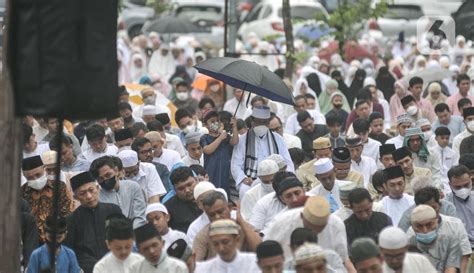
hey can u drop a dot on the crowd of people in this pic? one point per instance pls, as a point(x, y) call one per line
point(370, 170)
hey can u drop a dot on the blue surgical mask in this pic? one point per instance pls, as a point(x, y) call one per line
point(427, 238)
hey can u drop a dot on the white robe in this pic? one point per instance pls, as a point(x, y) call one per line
point(265, 210)
point(394, 207)
point(251, 198)
point(397, 141)
point(162, 65)
point(165, 265)
point(109, 263)
point(413, 262)
point(242, 263)
point(367, 167)
point(168, 158)
point(90, 155)
point(371, 149)
point(172, 236)
point(292, 125)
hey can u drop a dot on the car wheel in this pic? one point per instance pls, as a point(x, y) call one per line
point(134, 31)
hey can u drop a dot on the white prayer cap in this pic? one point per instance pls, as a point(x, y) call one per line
point(393, 238)
point(444, 61)
point(422, 213)
point(261, 112)
point(323, 165)
point(192, 137)
point(202, 187)
point(129, 158)
point(279, 160)
point(221, 190)
point(460, 38)
point(156, 207)
point(149, 110)
point(369, 81)
point(454, 68)
point(49, 157)
point(267, 167)
point(423, 121)
point(309, 252)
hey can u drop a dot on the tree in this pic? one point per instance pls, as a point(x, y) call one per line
point(288, 28)
point(350, 18)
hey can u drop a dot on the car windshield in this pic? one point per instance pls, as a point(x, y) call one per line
point(303, 12)
point(409, 12)
point(196, 13)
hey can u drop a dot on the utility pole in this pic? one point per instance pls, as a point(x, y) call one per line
point(233, 23)
point(290, 48)
point(10, 137)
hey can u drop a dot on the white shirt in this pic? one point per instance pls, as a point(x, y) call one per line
point(40, 149)
point(251, 198)
point(242, 263)
point(188, 161)
point(394, 207)
point(367, 167)
point(333, 236)
point(265, 210)
point(196, 226)
point(165, 265)
point(413, 262)
point(371, 149)
point(459, 138)
point(448, 159)
point(292, 141)
point(231, 105)
point(397, 141)
point(138, 111)
point(172, 236)
point(174, 143)
point(90, 155)
point(292, 125)
point(149, 180)
point(109, 263)
point(168, 158)
point(323, 192)
point(262, 152)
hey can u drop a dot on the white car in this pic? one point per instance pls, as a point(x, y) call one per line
point(265, 18)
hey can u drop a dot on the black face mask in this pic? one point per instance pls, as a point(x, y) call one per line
point(108, 184)
point(337, 106)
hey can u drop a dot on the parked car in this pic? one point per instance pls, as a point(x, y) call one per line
point(463, 18)
point(134, 15)
point(399, 17)
point(265, 18)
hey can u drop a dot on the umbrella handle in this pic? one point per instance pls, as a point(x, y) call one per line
point(240, 100)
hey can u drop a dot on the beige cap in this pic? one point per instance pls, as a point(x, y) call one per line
point(316, 210)
point(321, 143)
point(147, 91)
point(309, 252)
point(49, 157)
point(422, 213)
point(153, 136)
point(223, 227)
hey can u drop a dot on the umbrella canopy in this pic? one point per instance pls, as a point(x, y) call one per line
point(170, 24)
point(429, 75)
point(313, 31)
point(248, 76)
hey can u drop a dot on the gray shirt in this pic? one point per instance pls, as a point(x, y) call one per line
point(446, 208)
point(455, 126)
point(444, 252)
point(80, 165)
point(465, 212)
point(130, 198)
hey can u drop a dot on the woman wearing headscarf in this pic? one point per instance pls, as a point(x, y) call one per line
point(342, 86)
point(384, 82)
point(181, 72)
point(396, 107)
point(356, 85)
point(192, 72)
point(302, 88)
point(325, 97)
point(316, 80)
point(435, 96)
point(162, 62)
point(138, 67)
point(419, 64)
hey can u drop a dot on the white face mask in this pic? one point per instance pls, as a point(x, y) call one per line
point(412, 110)
point(150, 100)
point(463, 193)
point(215, 88)
point(189, 128)
point(427, 135)
point(267, 188)
point(38, 184)
point(260, 130)
point(182, 96)
point(52, 177)
point(470, 125)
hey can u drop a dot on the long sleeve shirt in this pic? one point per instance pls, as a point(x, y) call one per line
point(66, 261)
point(86, 233)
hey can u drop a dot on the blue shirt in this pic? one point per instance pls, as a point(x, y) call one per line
point(66, 261)
point(455, 126)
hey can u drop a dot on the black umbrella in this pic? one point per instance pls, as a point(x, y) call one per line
point(170, 24)
point(248, 76)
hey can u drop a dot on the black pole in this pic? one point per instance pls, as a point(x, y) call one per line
point(240, 100)
point(226, 24)
point(55, 208)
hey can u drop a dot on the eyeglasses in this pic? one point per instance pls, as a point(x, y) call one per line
point(148, 151)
